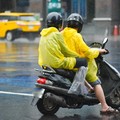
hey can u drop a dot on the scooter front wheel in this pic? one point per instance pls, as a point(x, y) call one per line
point(47, 107)
point(114, 99)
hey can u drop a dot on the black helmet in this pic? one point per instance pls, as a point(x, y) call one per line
point(75, 21)
point(54, 19)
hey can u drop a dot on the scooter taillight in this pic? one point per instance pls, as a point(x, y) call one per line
point(41, 80)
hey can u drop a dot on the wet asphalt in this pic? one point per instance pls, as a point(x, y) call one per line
point(17, 77)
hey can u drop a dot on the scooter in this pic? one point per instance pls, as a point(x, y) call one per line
point(51, 87)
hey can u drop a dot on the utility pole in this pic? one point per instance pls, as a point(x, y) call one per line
point(44, 12)
point(14, 5)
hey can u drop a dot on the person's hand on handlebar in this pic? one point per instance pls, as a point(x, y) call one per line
point(103, 51)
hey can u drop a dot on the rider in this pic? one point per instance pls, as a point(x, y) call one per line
point(75, 42)
point(52, 49)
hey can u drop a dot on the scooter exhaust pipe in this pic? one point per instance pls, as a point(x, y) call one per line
point(57, 99)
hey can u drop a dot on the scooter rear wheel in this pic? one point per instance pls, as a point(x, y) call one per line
point(114, 99)
point(47, 107)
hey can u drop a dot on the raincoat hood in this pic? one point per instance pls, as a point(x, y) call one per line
point(69, 32)
point(49, 30)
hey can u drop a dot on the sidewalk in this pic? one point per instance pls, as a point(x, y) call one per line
point(91, 29)
point(91, 33)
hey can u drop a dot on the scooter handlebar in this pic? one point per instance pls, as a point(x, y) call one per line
point(104, 53)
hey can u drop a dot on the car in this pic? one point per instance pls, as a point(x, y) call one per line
point(15, 24)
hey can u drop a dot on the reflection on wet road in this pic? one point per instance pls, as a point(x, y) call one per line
point(17, 63)
point(79, 117)
point(17, 75)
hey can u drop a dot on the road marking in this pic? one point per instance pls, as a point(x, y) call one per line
point(13, 93)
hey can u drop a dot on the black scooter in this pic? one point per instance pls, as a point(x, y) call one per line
point(51, 91)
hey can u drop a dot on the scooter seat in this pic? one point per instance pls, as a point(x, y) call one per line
point(65, 73)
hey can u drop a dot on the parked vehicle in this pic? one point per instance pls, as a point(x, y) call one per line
point(14, 24)
point(52, 89)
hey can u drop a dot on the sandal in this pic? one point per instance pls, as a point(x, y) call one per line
point(109, 111)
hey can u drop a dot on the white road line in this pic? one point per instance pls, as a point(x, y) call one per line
point(13, 93)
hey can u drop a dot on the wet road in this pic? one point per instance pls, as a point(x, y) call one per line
point(17, 77)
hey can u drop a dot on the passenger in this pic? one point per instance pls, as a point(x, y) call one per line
point(75, 42)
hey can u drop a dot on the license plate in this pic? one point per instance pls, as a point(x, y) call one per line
point(39, 92)
point(31, 26)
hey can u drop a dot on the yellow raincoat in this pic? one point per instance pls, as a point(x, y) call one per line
point(76, 43)
point(53, 51)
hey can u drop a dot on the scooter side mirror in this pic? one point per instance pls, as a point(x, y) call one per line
point(104, 42)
